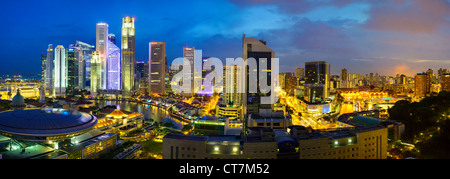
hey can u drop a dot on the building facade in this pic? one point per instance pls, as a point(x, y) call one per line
point(96, 67)
point(60, 81)
point(49, 71)
point(87, 56)
point(102, 48)
point(113, 67)
point(258, 50)
point(445, 82)
point(317, 79)
point(157, 67)
point(422, 85)
point(127, 56)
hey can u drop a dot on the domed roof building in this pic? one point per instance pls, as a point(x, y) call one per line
point(18, 101)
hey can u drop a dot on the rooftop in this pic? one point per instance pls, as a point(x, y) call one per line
point(41, 122)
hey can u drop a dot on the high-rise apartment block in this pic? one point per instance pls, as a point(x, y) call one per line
point(422, 85)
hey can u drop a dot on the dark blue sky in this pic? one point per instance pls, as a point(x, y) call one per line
point(386, 37)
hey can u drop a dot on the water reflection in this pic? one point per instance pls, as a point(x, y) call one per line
point(150, 112)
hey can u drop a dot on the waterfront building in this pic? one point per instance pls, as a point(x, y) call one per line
point(157, 67)
point(60, 80)
point(127, 56)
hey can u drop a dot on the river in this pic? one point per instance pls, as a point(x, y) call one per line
point(150, 112)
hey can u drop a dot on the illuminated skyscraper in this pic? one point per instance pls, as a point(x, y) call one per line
point(102, 48)
point(87, 56)
point(43, 67)
point(157, 67)
point(60, 81)
point(74, 61)
point(445, 82)
point(422, 84)
point(49, 71)
point(317, 81)
point(96, 63)
point(113, 67)
point(127, 56)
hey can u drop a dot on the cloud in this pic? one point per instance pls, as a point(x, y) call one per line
point(412, 16)
point(362, 60)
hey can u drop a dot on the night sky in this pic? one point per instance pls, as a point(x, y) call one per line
point(382, 36)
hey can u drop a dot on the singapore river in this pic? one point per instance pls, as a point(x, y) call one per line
point(150, 112)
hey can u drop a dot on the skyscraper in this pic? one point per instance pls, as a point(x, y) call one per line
point(257, 49)
point(189, 54)
point(112, 38)
point(317, 79)
point(231, 83)
point(102, 48)
point(87, 56)
point(60, 81)
point(74, 55)
point(49, 71)
point(422, 84)
point(113, 67)
point(157, 67)
point(81, 71)
point(43, 68)
point(127, 56)
point(445, 82)
point(96, 64)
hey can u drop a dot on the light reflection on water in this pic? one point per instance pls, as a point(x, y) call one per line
point(150, 112)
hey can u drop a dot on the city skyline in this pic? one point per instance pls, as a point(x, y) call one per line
point(356, 35)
